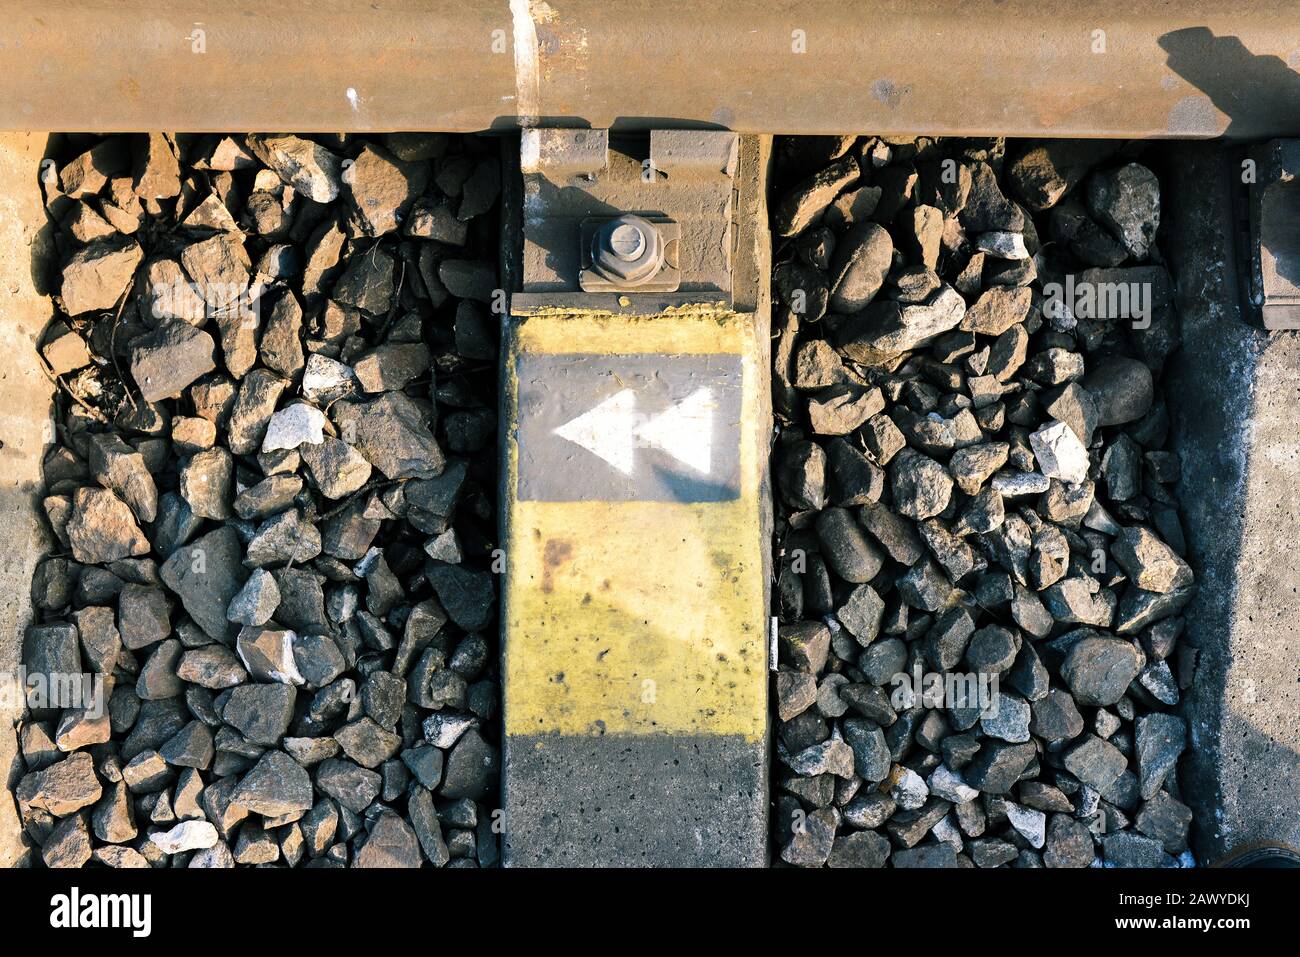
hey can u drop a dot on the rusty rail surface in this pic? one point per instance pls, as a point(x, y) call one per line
point(1185, 68)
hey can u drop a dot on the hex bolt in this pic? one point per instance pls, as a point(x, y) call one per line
point(627, 241)
point(628, 250)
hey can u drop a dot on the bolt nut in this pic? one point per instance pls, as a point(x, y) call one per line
point(628, 250)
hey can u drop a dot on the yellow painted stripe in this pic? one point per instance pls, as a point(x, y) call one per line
point(637, 617)
point(696, 331)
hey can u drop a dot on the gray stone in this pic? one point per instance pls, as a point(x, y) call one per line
point(992, 650)
point(351, 786)
point(337, 468)
point(276, 786)
point(52, 651)
point(62, 788)
point(859, 849)
point(871, 758)
point(284, 538)
point(1048, 169)
point(158, 678)
point(186, 836)
point(391, 843)
point(206, 574)
point(840, 409)
point(296, 424)
point(102, 528)
point(167, 360)
point(887, 329)
point(269, 496)
point(897, 535)
point(1055, 717)
point(144, 616)
point(1029, 823)
point(121, 469)
point(996, 767)
point(312, 170)
point(381, 188)
point(101, 642)
point(997, 310)
point(97, 274)
point(1126, 849)
point(1121, 388)
point(1161, 739)
point(926, 856)
point(804, 204)
point(468, 595)
point(68, 843)
point(1127, 202)
point(908, 789)
point(281, 342)
point(252, 410)
point(261, 712)
point(1166, 820)
point(1095, 762)
point(206, 483)
point(1149, 563)
point(1006, 718)
point(862, 257)
point(309, 751)
point(366, 743)
point(472, 767)
point(113, 819)
point(811, 844)
point(950, 786)
point(268, 654)
point(1099, 670)
point(921, 486)
point(444, 729)
point(211, 666)
point(391, 431)
point(318, 659)
point(256, 601)
point(846, 547)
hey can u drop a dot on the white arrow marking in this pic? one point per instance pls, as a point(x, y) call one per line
point(606, 430)
point(684, 431)
point(612, 431)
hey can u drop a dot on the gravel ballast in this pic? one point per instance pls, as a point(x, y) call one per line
point(272, 499)
point(979, 560)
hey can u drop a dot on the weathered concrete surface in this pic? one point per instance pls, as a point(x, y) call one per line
point(636, 800)
point(24, 431)
point(1234, 392)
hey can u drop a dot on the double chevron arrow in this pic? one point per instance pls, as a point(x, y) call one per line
point(614, 430)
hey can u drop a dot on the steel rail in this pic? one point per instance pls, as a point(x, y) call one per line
point(1182, 68)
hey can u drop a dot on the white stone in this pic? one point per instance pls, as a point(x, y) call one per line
point(1013, 484)
point(367, 562)
point(1060, 454)
point(1031, 824)
point(945, 832)
point(1003, 245)
point(951, 786)
point(325, 379)
point(186, 836)
point(292, 426)
point(444, 730)
point(908, 789)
